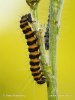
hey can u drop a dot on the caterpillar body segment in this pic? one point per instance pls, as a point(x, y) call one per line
point(33, 48)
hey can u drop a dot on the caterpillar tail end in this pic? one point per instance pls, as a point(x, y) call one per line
point(41, 81)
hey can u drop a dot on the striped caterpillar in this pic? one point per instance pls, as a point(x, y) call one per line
point(47, 32)
point(33, 48)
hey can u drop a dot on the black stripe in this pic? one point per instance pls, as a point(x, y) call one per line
point(34, 56)
point(36, 74)
point(34, 63)
point(33, 49)
point(26, 30)
point(34, 69)
point(37, 78)
point(32, 42)
point(25, 24)
point(21, 21)
point(29, 36)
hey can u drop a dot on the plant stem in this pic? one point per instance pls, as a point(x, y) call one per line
point(50, 71)
point(44, 66)
point(55, 12)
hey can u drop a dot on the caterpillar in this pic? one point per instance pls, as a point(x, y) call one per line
point(33, 48)
point(47, 33)
point(47, 39)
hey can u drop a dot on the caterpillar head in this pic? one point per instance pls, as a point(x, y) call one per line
point(29, 18)
point(23, 18)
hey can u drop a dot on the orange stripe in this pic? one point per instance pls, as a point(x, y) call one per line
point(34, 67)
point(23, 23)
point(38, 76)
point(29, 33)
point(34, 53)
point(33, 46)
point(31, 39)
point(34, 60)
point(25, 27)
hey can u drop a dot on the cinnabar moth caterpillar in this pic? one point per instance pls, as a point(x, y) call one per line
point(47, 34)
point(33, 48)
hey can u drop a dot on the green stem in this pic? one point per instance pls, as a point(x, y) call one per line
point(50, 71)
point(55, 12)
point(44, 64)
